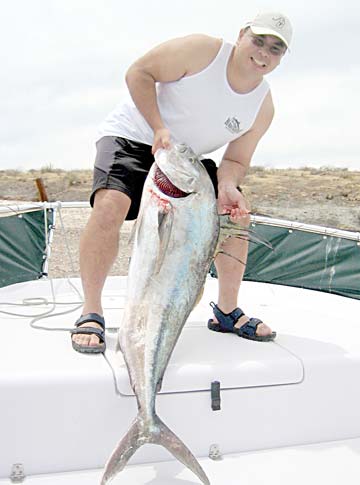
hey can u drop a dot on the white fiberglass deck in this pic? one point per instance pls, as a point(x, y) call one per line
point(330, 463)
point(60, 412)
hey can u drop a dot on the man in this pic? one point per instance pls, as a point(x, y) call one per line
point(206, 93)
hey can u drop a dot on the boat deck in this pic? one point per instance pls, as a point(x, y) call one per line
point(327, 463)
point(290, 409)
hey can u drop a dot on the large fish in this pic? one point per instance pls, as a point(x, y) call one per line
point(175, 239)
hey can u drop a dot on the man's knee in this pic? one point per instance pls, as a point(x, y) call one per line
point(110, 207)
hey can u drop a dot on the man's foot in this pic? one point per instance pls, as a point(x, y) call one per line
point(87, 340)
point(262, 330)
point(88, 334)
point(239, 323)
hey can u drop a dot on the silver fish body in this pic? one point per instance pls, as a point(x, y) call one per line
point(175, 239)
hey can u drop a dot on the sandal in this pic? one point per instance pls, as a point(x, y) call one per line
point(227, 323)
point(99, 332)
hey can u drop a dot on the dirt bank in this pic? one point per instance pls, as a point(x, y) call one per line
point(328, 197)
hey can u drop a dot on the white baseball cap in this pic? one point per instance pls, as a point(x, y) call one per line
point(272, 23)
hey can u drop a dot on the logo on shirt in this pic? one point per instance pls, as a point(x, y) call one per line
point(233, 125)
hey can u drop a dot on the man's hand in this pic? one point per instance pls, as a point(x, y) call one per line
point(231, 201)
point(161, 139)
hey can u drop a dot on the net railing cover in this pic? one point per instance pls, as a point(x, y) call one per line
point(23, 246)
point(304, 259)
point(303, 256)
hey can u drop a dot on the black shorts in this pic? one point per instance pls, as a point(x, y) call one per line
point(123, 165)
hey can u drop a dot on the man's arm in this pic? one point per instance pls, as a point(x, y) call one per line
point(167, 62)
point(236, 161)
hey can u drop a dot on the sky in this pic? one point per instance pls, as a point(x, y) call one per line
point(63, 64)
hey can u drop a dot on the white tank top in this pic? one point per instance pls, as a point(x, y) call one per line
point(201, 110)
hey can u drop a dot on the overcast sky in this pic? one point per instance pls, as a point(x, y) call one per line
point(63, 64)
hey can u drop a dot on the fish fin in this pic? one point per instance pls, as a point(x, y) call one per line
point(123, 452)
point(161, 435)
point(159, 384)
point(178, 449)
point(132, 233)
point(165, 222)
point(137, 226)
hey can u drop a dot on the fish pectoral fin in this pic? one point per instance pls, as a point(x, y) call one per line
point(137, 225)
point(133, 230)
point(165, 223)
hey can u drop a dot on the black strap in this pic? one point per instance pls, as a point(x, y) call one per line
point(250, 327)
point(91, 317)
point(87, 331)
point(226, 320)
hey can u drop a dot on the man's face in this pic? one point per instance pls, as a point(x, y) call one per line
point(262, 52)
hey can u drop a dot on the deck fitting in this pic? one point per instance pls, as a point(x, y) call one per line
point(17, 473)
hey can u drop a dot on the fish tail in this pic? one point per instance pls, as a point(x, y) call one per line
point(123, 452)
point(178, 449)
point(158, 433)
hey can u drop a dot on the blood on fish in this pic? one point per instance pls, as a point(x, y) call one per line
point(163, 203)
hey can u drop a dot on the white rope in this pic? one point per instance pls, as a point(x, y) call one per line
point(44, 301)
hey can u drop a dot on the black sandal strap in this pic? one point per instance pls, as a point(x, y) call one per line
point(91, 317)
point(250, 327)
point(226, 320)
point(89, 331)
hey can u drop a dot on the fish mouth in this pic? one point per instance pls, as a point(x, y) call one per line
point(165, 186)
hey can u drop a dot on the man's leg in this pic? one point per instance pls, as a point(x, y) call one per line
point(230, 275)
point(98, 249)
